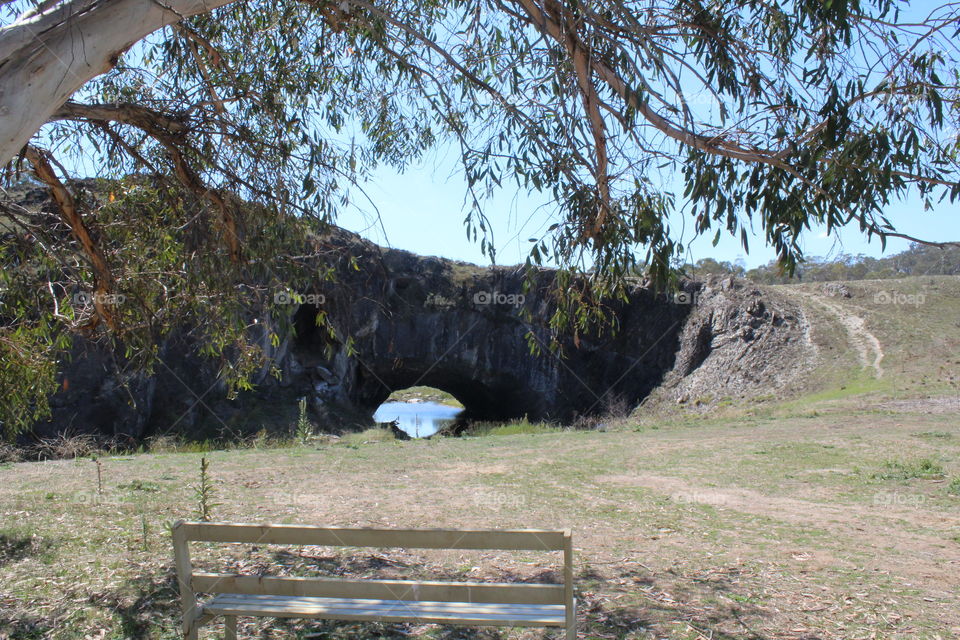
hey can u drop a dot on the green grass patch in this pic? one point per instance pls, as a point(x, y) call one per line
point(140, 485)
point(933, 435)
point(367, 437)
point(424, 394)
point(859, 382)
point(954, 487)
point(519, 427)
point(909, 469)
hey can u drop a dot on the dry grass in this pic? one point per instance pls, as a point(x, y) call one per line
point(781, 528)
point(833, 515)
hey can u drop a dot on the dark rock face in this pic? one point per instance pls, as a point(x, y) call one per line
point(395, 320)
point(99, 396)
point(453, 326)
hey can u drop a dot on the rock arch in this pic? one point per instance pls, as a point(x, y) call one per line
point(413, 320)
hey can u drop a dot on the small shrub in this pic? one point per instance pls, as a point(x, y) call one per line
point(144, 532)
point(163, 444)
point(260, 440)
point(204, 492)
point(9, 453)
point(304, 430)
point(523, 426)
point(68, 447)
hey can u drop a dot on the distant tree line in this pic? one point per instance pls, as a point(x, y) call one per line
point(918, 260)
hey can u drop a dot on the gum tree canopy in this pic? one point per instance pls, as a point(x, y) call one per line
point(775, 114)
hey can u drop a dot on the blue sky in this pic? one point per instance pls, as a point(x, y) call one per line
point(422, 210)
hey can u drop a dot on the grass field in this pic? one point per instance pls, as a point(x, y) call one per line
point(831, 514)
point(838, 526)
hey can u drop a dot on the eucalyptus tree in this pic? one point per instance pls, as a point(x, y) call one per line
point(233, 129)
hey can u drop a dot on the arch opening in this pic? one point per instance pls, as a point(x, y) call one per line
point(500, 399)
point(420, 411)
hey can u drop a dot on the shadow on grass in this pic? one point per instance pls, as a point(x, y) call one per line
point(634, 602)
point(147, 608)
point(18, 545)
point(18, 625)
point(16, 621)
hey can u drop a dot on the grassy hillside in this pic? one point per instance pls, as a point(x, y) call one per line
point(892, 338)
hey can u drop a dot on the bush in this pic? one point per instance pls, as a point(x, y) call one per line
point(9, 453)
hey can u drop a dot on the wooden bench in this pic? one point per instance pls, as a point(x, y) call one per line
point(467, 603)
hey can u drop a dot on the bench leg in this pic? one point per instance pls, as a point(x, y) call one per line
point(190, 628)
point(230, 627)
point(572, 622)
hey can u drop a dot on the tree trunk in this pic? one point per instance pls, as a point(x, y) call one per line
point(46, 58)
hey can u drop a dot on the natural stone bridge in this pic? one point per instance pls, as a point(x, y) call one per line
point(401, 320)
point(460, 328)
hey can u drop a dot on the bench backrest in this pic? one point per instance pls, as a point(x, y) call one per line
point(523, 593)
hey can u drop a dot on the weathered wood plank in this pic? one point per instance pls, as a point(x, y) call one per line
point(380, 589)
point(441, 613)
point(188, 599)
point(571, 605)
point(525, 540)
point(366, 603)
point(230, 628)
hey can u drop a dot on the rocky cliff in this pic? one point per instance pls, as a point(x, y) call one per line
point(389, 319)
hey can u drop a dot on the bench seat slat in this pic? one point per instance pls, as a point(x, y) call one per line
point(379, 589)
point(387, 610)
point(235, 598)
point(516, 540)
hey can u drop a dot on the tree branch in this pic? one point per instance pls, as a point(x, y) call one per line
point(103, 283)
point(171, 132)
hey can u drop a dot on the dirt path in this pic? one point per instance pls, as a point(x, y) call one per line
point(869, 349)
